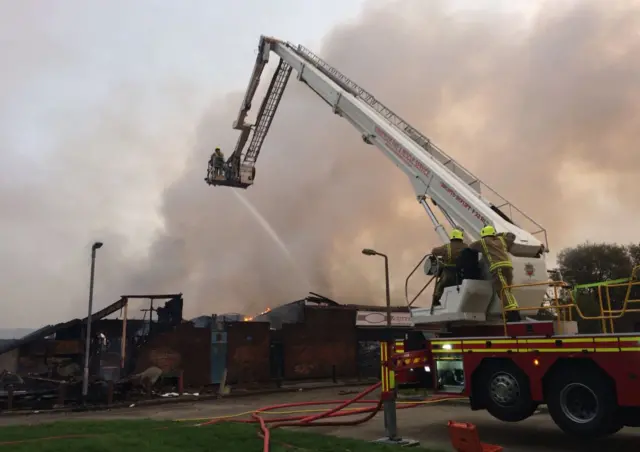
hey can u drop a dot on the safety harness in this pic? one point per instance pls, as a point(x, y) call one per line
point(449, 263)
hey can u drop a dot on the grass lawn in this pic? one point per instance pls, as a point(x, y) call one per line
point(146, 435)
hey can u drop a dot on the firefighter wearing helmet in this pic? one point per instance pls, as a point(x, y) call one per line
point(448, 254)
point(495, 249)
point(218, 162)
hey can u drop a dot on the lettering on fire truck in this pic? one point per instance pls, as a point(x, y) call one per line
point(464, 203)
point(402, 152)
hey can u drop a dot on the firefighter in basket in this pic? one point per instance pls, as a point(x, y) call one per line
point(217, 163)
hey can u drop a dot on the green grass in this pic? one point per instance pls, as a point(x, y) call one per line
point(147, 435)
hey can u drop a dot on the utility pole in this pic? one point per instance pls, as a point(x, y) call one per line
point(87, 339)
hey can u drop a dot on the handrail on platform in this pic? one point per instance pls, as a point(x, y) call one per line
point(565, 310)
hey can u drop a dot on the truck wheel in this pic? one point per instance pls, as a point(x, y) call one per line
point(505, 389)
point(583, 403)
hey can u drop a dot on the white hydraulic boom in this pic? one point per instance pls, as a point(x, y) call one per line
point(433, 174)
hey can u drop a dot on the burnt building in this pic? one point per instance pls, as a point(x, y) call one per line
point(317, 337)
point(293, 312)
point(58, 350)
point(312, 338)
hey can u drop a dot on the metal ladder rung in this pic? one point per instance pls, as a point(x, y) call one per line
point(432, 150)
point(410, 131)
point(268, 110)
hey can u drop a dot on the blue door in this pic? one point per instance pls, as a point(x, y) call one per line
point(218, 355)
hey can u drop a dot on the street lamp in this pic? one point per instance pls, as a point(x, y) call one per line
point(87, 341)
point(389, 402)
point(370, 252)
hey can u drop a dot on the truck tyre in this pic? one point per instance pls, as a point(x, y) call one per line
point(505, 390)
point(582, 402)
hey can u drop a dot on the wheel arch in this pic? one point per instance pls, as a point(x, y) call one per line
point(562, 365)
point(606, 418)
point(477, 397)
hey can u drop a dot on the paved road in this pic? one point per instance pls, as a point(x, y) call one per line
point(426, 424)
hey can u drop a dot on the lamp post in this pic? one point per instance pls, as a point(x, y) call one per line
point(370, 252)
point(389, 403)
point(87, 341)
point(390, 399)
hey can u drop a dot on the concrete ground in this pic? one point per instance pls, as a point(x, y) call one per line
point(428, 424)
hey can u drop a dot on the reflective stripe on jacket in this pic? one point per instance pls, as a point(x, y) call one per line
point(496, 250)
point(449, 252)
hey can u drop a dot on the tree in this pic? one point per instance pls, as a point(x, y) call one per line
point(634, 254)
point(594, 262)
point(597, 262)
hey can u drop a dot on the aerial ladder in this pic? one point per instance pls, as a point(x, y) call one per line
point(588, 382)
point(439, 182)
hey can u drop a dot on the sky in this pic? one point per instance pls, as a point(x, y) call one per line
point(109, 111)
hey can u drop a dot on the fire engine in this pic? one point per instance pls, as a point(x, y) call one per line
point(590, 383)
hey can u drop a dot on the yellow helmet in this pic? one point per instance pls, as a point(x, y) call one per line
point(456, 234)
point(487, 231)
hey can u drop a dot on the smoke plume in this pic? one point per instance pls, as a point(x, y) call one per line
point(547, 111)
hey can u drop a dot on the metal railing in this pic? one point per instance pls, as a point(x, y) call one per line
point(406, 283)
point(565, 307)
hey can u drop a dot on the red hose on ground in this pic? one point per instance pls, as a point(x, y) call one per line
point(266, 435)
point(295, 418)
point(343, 405)
point(308, 421)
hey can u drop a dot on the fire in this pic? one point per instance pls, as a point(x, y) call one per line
point(249, 319)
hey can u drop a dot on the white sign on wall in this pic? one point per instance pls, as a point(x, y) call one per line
point(377, 318)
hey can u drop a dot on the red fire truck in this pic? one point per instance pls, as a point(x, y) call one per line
point(590, 383)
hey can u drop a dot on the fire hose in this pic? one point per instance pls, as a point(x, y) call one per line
point(266, 425)
point(269, 424)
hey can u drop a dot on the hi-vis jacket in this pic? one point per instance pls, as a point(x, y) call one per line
point(449, 252)
point(495, 249)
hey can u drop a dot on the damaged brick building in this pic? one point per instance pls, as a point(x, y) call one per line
point(58, 350)
point(312, 338)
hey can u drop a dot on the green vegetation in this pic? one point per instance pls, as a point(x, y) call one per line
point(586, 266)
point(147, 435)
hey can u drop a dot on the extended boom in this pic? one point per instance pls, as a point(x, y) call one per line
point(588, 382)
point(434, 175)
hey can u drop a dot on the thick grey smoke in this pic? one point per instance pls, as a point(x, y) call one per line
point(547, 112)
point(522, 107)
